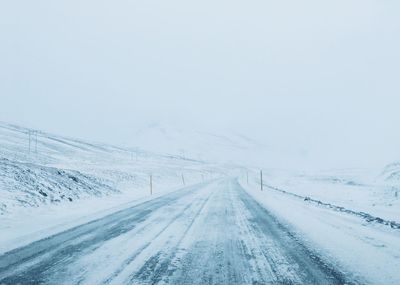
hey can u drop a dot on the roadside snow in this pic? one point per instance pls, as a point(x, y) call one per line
point(357, 190)
point(17, 230)
point(371, 252)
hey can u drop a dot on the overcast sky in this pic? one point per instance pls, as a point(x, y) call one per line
point(320, 76)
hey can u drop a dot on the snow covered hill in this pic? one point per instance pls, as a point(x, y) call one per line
point(391, 173)
point(38, 168)
point(224, 146)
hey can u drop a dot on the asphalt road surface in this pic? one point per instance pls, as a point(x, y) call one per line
point(213, 233)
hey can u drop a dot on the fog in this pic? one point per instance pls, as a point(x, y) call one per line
point(317, 77)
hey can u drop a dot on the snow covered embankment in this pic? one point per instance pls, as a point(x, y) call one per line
point(31, 185)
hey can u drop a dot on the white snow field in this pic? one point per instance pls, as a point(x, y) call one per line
point(355, 225)
point(74, 212)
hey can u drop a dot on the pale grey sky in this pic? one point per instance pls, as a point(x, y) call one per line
point(323, 76)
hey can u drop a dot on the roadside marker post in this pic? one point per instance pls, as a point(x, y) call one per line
point(29, 136)
point(36, 136)
point(151, 184)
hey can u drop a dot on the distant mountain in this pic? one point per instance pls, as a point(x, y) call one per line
point(200, 145)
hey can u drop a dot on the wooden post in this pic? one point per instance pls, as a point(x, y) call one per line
point(261, 178)
point(151, 184)
point(29, 136)
point(36, 142)
point(183, 180)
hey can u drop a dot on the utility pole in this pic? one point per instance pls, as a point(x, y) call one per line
point(151, 184)
point(261, 180)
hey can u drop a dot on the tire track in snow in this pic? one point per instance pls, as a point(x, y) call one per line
point(32, 263)
point(239, 242)
point(212, 234)
point(156, 267)
point(145, 271)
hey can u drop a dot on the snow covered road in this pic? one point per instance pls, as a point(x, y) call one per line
point(214, 233)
